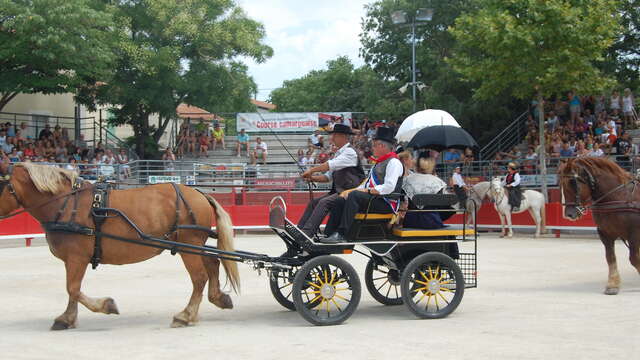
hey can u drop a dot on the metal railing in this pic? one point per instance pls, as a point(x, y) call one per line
point(511, 136)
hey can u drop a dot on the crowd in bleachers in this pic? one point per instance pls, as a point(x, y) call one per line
point(54, 146)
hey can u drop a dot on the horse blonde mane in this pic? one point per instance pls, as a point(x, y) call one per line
point(47, 178)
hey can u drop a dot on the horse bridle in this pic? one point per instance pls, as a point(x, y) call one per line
point(591, 182)
point(5, 181)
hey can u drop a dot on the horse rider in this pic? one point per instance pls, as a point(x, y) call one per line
point(343, 170)
point(384, 178)
point(512, 183)
point(460, 188)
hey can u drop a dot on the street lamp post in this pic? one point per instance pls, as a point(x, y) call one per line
point(421, 16)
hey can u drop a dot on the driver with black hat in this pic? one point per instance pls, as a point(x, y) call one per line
point(344, 170)
point(385, 177)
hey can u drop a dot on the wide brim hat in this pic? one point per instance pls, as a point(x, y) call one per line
point(385, 134)
point(341, 129)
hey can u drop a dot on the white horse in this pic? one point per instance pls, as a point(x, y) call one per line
point(531, 200)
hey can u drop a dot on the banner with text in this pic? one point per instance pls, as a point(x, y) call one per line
point(288, 122)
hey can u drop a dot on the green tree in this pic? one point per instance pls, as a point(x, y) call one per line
point(622, 59)
point(53, 46)
point(342, 87)
point(534, 48)
point(178, 51)
point(387, 49)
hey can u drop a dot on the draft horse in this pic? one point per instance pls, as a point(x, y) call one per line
point(612, 195)
point(46, 193)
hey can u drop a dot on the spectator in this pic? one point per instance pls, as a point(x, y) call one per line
point(123, 161)
point(259, 151)
point(565, 151)
point(243, 142)
point(552, 121)
point(192, 144)
point(7, 146)
point(203, 145)
point(169, 161)
point(217, 136)
point(202, 128)
point(316, 139)
point(574, 107)
point(628, 108)
point(614, 102)
point(451, 156)
point(45, 133)
point(72, 165)
point(308, 158)
point(623, 149)
point(597, 151)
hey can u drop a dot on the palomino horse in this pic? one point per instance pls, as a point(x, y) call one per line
point(42, 191)
point(531, 200)
point(615, 202)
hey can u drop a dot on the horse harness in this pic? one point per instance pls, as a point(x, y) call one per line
point(100, 212)
point(598, 206)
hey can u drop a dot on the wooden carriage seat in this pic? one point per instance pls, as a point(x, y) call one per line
point(451, 230)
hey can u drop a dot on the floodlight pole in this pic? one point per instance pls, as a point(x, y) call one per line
point(413, 61)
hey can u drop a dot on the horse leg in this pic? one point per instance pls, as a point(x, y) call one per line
point(535, 214)
point(613, 282)
point(199, 278)
point(634, 253)
point(502, 229)
point(509, 229)
point(216, 296)
point(75, 274)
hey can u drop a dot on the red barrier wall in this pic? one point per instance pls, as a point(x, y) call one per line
point(251, 209)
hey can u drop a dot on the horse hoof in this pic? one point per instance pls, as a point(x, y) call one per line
point(179, 323)
point(110, 307)
point(60, 325)
point(223, 302)
point(611, 291)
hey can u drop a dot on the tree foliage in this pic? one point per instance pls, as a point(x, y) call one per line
point(178, 51)
point(525, 47)
point(342, 87)
point(53, 46)
point(387, 49)
point(622, 59)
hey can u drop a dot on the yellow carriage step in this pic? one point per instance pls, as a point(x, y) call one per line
point(372, 216)
point(448, 231)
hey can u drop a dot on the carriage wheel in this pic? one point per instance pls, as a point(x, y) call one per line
point(383, 283)
point(326, 290)
point(281, 284)
point(432, 285)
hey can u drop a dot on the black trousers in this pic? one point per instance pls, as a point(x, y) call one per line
point(461, 193)
point(358, 201)
point(315, 212)
point(515, 196)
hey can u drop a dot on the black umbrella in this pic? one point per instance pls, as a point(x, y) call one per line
point(442, 137)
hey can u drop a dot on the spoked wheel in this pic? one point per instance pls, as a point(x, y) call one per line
point(326, 290)
point(383, 283)
point(432, 285)
point(281, 284)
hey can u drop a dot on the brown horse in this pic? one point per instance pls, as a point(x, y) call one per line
point(611, 194)
point(41, 190)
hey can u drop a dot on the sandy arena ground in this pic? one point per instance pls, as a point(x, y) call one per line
point(537, 299)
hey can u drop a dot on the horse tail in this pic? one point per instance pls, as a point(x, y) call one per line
point(224, 228)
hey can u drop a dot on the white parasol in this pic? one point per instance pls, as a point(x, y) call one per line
point(422, 119)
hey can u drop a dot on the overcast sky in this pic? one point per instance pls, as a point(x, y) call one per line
point(303, 35)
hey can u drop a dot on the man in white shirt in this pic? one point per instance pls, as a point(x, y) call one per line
point(459, 186)
point(316, 139)
point(343, 170)
point(259, 151)
point(384, 179)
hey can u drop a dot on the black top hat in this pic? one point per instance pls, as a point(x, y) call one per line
point(385, 134)
point(341, 129)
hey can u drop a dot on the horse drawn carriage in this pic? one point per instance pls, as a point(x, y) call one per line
point(93, 224)
point(424, 269)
